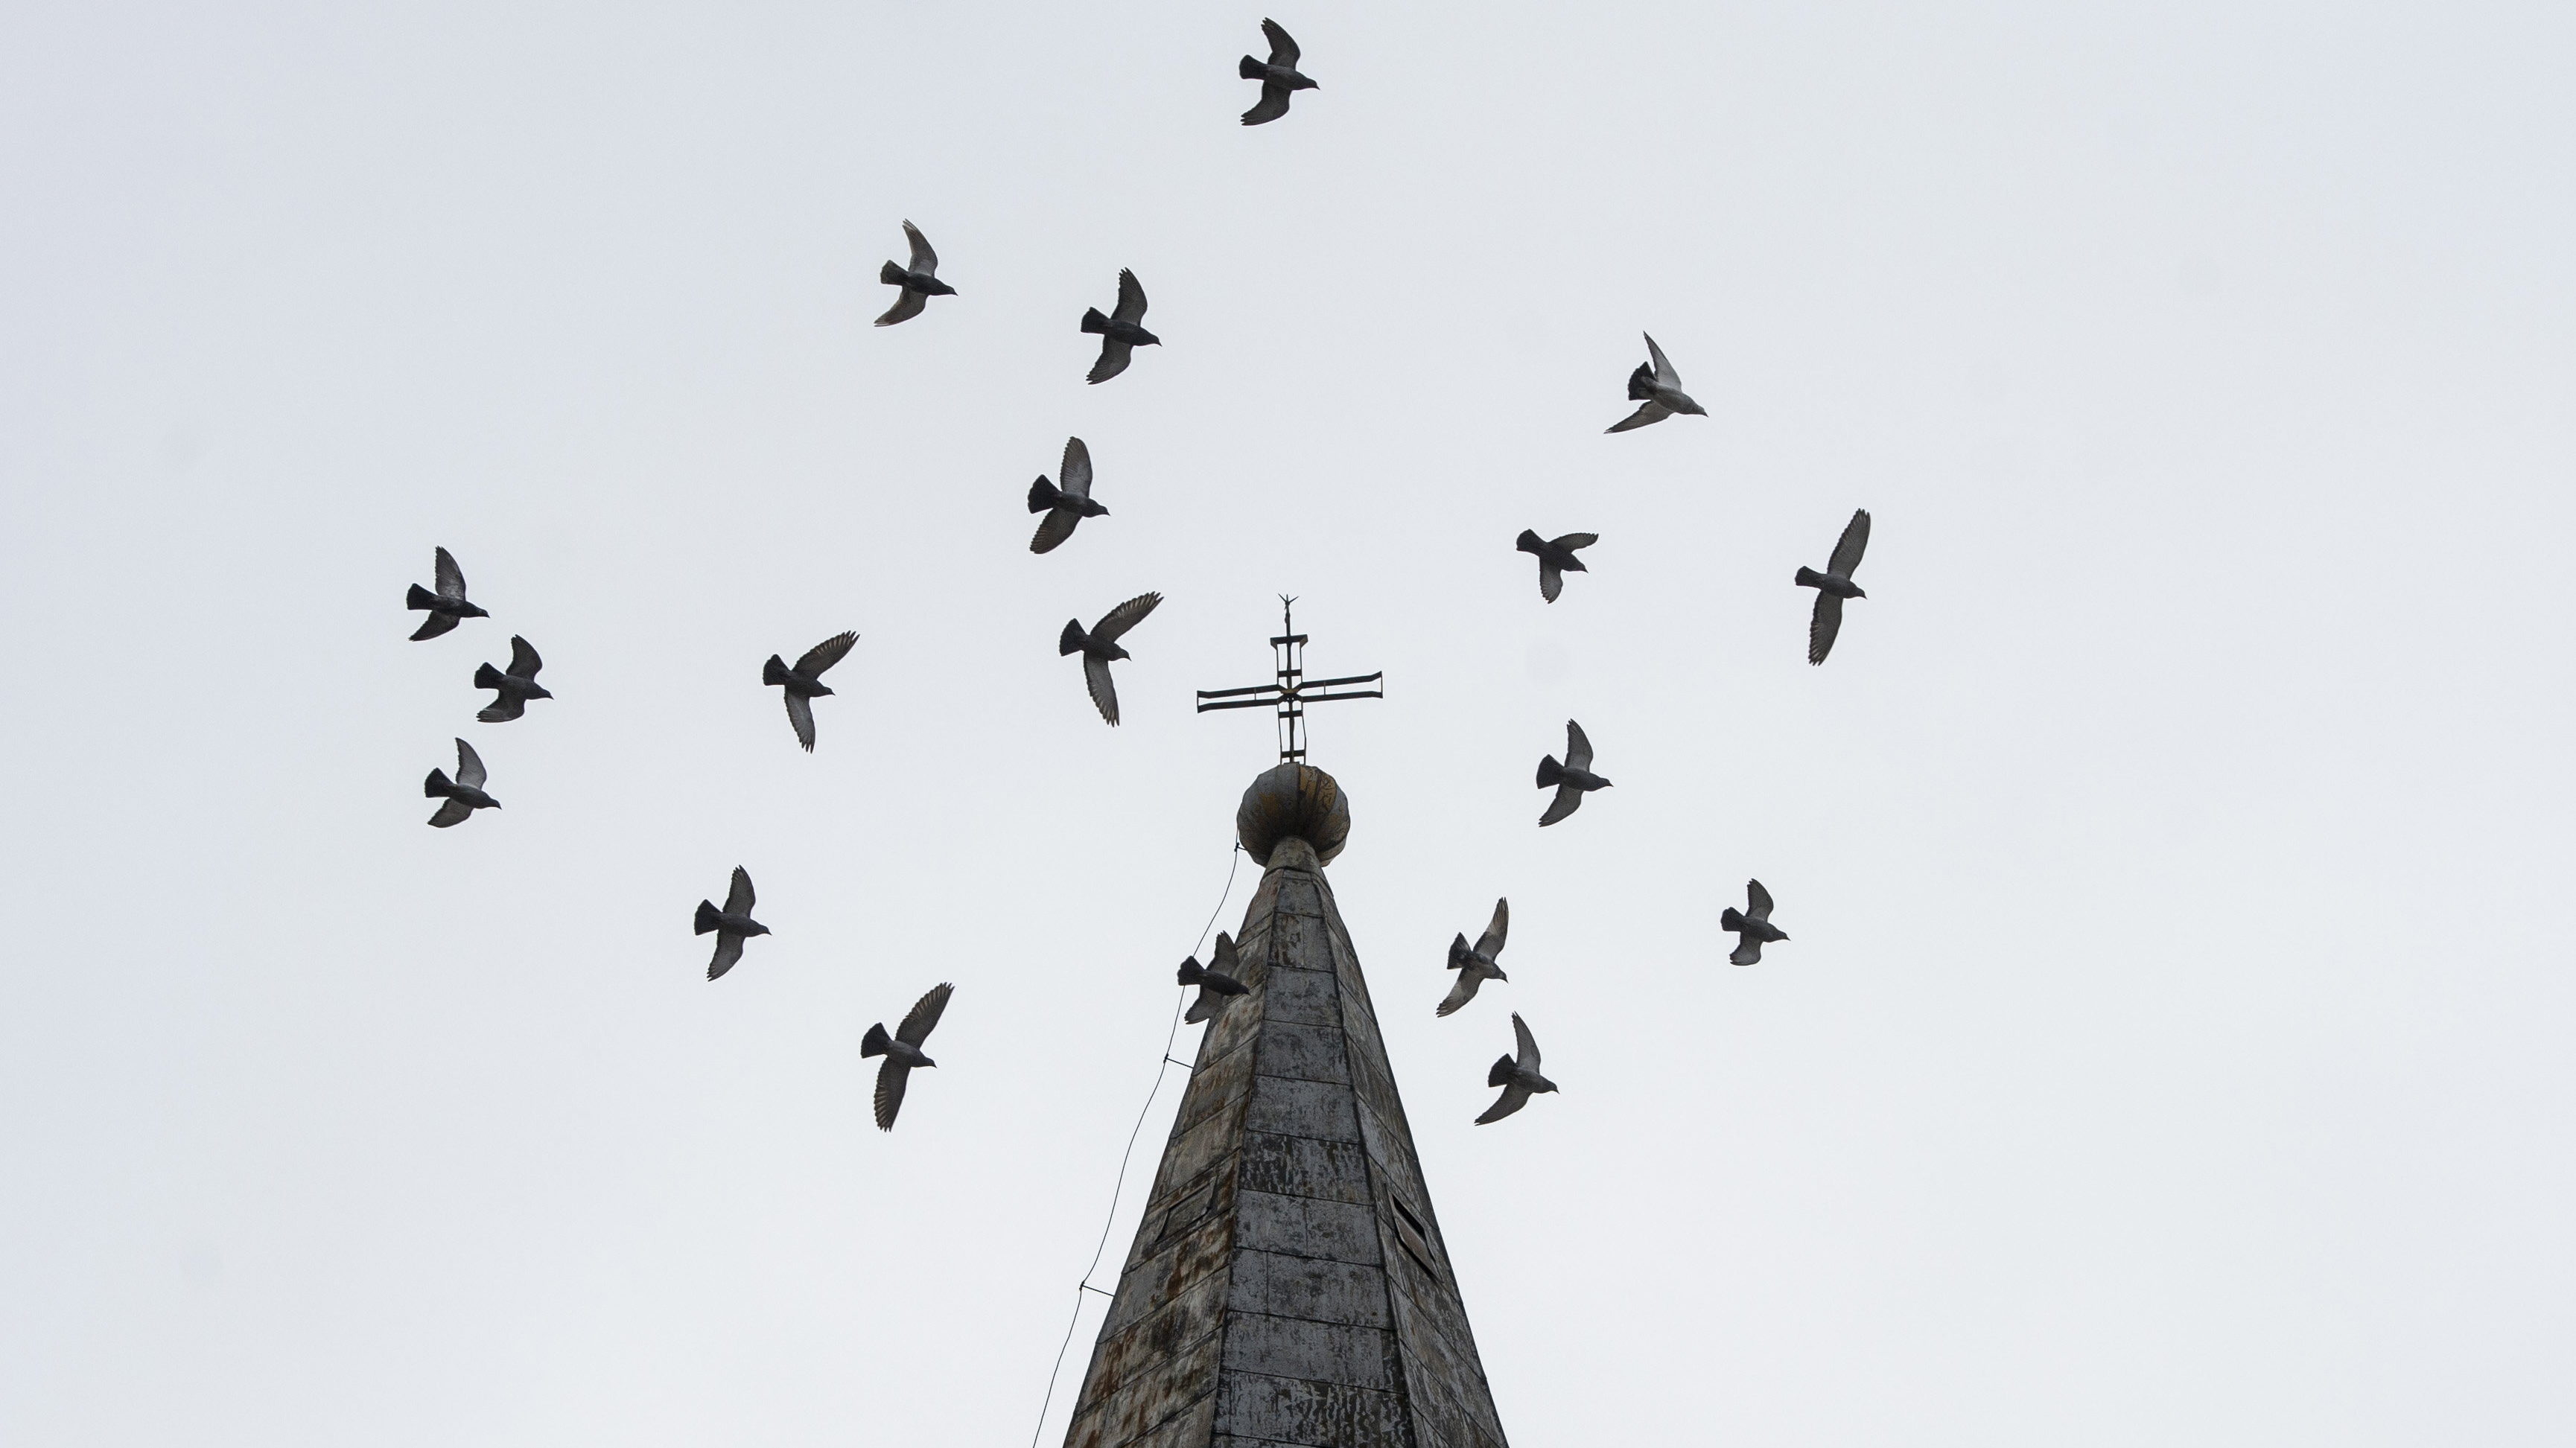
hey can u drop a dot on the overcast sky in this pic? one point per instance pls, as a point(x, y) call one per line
point(2172, 1045)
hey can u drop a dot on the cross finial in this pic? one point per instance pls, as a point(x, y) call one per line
point(1291, 691)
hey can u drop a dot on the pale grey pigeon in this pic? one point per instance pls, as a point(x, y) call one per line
point(1572, 779)
point(1657, 390)
point(445, 606)
point(1217, 982)
point(732, 925)
point(1555, 558)
point(1278, 76)
point(1834, 585)
point(804, 683)
point(902, 1050)
point(465, 794)
point(516, 687)
point(1475, 963)
point(1518, 1076)
point(1752, 925)
point(1120, 332)
point(1064, 504)
point(920, 281)
point(1100, 646)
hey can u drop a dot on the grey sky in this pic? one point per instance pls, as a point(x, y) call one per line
point(2172, 1042)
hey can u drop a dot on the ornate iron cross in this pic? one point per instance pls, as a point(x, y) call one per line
point(1292, 691)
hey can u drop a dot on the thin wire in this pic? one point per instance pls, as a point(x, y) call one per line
point(1129, 1156)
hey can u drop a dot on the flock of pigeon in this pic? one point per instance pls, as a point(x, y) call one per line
point(1655, 387)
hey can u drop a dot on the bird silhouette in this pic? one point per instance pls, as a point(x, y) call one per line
point(732, 925)
point(1752, 925)
point(1573, 779)
point(1100, 646)
point(516, 687)
point(1120, 332)
point(1555, 558)
point(447, 605)
point(804, 683)
point(1064, 505)
point(902, 1050)
point(1278, 76)
point(464, 795)
point(1517, 1075)
point(1218, 982)
point(1834, 585)
point(920, 281)
point(1475, 963)
point(1657, 390)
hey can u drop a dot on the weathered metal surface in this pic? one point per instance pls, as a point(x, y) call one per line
point(1294, 801)
point(1288, 1287)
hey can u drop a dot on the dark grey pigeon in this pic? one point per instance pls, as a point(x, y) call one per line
point(1518, 1076)
point(1278, 76)
point(732, 925)
point(902, 1051)
point(516, 687)
point(1752, 924)
point(448, 604)
point(920, 281)
point(1120, 334)
point(1217, 983)
point(1100, 645)
point(1066, 505)
point(465, 794)
point(1572, 779)
point(1475, 963)
point(1555, 558)
point(804, 683)
point(1657, 390)
point(1834, 585)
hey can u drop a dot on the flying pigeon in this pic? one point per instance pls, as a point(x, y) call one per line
point(732, 925)
point(465, 795)
point(1120, 334)
point(1573, 779)
point(1100, 645)
point(1217, 983)
point(1753, 926)
point(1518, 1078)
point(902, 1050)
point(516, 687)
point(1555, 558)
point(1475, 964)
point(1834, 585)
point(919, 281)
point(447, 605)
point(1278, 78)
point(1657, 390)
point(1067, 505)
point(804, 683)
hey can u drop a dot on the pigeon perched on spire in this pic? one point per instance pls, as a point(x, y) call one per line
point(516, 687)
point(732, 925)
point(1834, 585)
point(1657, 390)
point(1573, 779)
point(1555, 558)
point(1279, 76)
point(1518, 1076)
point(1100, 646)
point(1752, 925)
point(465, 794)
point(447, 605)
point(1218, 982)
point(1475, 963)
point(920, 281)
point(1120, 332)
point(1064, 505)
point(902, 1050)
point(804, 683)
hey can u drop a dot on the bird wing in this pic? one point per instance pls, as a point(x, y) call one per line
point(728, 951)
point(1075, 476)
point(1131, 299)
point(1647, 411)
point(469, 766)
point(924, 260)
point(907, 305)
point(1748, 950)
point(1224, 961)
point(1665, 376)
point(891, 1079)
point(1757, 901)
point(502, 710)
point(1272, 105)
point(1578, 747)
point(1114, 357)
point(1527, 1057)
point(1207, 1004)
point(1053, 529)
point(1851, 545)
point(1124, 617)
point(1551, 580)
point(1569, 797)
point(1461, 993)
point(827, 653)
point(451, 579)
point(1283, 51)
point(1572, 541)
point(454, 812)
point(1822, 628)
point(1514, 1097)
point(800, 714)
point(1490, 944)
point(739, 900)
point(1104, 691)
point(434, 625)
point(524, 662)
point(924, 1014)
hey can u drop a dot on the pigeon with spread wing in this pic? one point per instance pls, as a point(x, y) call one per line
point(1279, 76)
point(464, 794)
point(1121, 332)
point(1657, 390)
point(1065, 502)
point(1573, 779)
point(920, 280)
point(902, 1050)
point(1517, 1075)
point(1834, 585)
point(1475, 963)
point(446, 605)
point(804, 683)
point(1100, 646)
point(732, 925)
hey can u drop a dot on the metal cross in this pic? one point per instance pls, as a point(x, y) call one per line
point(1292, 691)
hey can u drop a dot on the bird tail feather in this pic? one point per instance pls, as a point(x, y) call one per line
point(891, 275)
point(420, 597)
point(435, 785)
point(1071, 640)
point(1529, 541)
point(1550, 772)
point(1501, 1073)
point(1092, 321)
point(1810, 578)
point(1730, 919)
point(487, 677)
point(1459, 954)
point(1641, 383)
point(1192, 972)
point(1044, 495)
point(707, 913)
point(1251, 69)
point(775, 671)
point(874, 1043)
